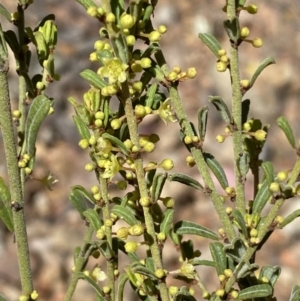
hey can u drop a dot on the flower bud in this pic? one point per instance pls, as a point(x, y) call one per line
point(260, 135)
point(167, 164)
point(191, 72)
point(127, 21)
point(136, 230)
point(110, 18)
point(131, 247)
point(173, 290)
point(146, 62)
point(130, 40)
point(220, 138)
point(274, 187)
point(154, 36)
point(122, 233)
point(145, 201)
point(92, 11)
point(252, 9)
point(84, 143)
point(116, 124)
point(257, 43)
point(244, 32)
point(100, 234)
point(162, 29)
point(221, 66)
point(222, 52)
point(34, 295)
point(17, 114)
point(282, 175)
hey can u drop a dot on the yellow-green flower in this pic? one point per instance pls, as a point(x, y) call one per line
point(104, 146)
point(114, 70)
point(97, 274)
point(188, 270)
point(165, 111)
point(111, 167)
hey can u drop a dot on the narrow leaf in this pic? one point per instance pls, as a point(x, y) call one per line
point(140, 269)
point(256, 291)
point(217, 169)
point(87, 3)
point(167, 222)
point(211, 42)
point(186, 180)
point(268, 61)
point(122, 279)
point(78, 200)
point(5, 13)
point(2, 298)
point(232, 28)
point(222, 107)
point(93, 284)
point(236, 250)
point(82, 128)
point(93, 218)
point(261, 198)
point(244, 163)
point(5, 208)
point(239, 219)
point(125, 214)
point(268, 171)
point(218, 256)
point(295, 294)
point(202, 122)
point(157, 186)
point(286, 128)
point(289, 218)
point(116, 142)
point(151, 94)
point(105, 249)
point(38, 111)
point(196, 261)
point(186, 227)
point(245, 110)
point(93, 78)
point(272, 273)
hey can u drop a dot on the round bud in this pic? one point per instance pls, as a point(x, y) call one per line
point(99, 45)
point(244, 32)
point(99, 115)
point(224, 59)
point(122, 185)
point(17, 114)
point(98, 123)
point(130, 40)
point(23, 298)
point(173, 290)
point(172, 76)
point(282, 175)
point(40, 86)
point(220, 292)
point(110, 18)
point(206, 295)
point(257, 43)
point(116, 123)
point(106, 289)
point(146, 62)
point(230, 190)
point(26, 157)
point(220, 138)
point(95, 189)
point(191, 72)
point(140, 111)
point(84, 143)
point(96, 254)
point(122, 233)
point(228, 210)
point(136, 67)
point(145, 201)
point(100, 234)
point(162, 29)
point(222, 52)
point(131, 247)
point(101, 11)
point(260, 135)
point(247, 126)
point(228, 273)
point(149, 147)
point(264, 279)
point(245, 83)
point(93, 57)
point(167, 164)
point(234, 294)
point(127, 21)
point(274, 187)
point(92, 11)
point(136, 230)
point(154, 36)
point(108, 223)
point(161, 236)
point(34, 295)
point(188, 140)
point(252, 9)
point(253, 233)
point(169, 202)
point(222, 277)
point(160, 273)
point(28, 171)
point(221, 66)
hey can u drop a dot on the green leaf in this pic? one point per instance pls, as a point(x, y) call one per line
point(287, 130)
point(50, 17)
point(82, 128)
point(120, 47)
point(150, 264)
point(222, 107)
point(150, 95)
point(38, 111)
point(157, 186)
point(217, 169)
point(94, 284)
point(268, 171)
point(5, 13)
point(186, 227)
point(125, 214)
point(140, 269)
point(202, 122)
point(218, 256)
point(245, 110)
point(114, 140)
point(93, 78)
point(12, 41)
point(87, 3)
point(78, 198)
point(239, 220)
point(289, 218)
point(245, 269)
point(2, 298)
point(232, 28)
point(261, 198)
point(236, 250)
point(256, 291)
point(295, 294)
point(196, 261)
point(122, 279)
point(117, 8)
point(272, 273)
point(5, 208)
point(268, 61)
point(105, 249)
point(244, 163)
point(211, 42)
point(186, 180)
point(167, 222)
point(93, 218)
